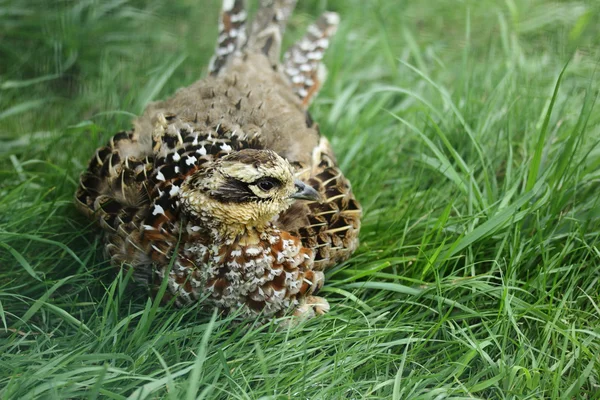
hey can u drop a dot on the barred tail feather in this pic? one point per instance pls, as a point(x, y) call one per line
point(302, 62)
point(232, 34)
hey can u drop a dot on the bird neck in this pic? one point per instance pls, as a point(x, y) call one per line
point(227, 232)
point(240, 232)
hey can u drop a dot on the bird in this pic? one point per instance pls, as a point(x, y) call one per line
point(228, 190)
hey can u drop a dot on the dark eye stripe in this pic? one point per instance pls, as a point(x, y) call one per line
point(234, 191)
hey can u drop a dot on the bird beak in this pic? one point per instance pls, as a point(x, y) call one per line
point(305, 192)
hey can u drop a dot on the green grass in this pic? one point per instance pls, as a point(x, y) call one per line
point(470, 132)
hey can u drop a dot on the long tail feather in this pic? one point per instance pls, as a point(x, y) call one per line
point(302, 62)
point(232, 34)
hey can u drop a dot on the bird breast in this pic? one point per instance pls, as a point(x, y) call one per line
point(259, 272)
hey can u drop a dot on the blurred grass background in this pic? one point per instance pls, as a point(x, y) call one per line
point(476, 161)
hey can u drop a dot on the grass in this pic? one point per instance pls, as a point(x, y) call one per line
point(470, 132)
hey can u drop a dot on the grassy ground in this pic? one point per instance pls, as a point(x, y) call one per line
point(473, 150)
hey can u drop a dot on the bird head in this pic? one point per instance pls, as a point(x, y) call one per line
point(243, 190)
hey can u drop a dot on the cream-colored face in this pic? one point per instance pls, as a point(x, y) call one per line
point(267, 177)
point(245, 189)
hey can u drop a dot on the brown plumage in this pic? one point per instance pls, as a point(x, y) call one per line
point(227, 188)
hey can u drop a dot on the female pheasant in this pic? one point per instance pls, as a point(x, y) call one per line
point(227, 189)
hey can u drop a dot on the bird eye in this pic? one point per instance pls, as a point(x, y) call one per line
point(265, 186)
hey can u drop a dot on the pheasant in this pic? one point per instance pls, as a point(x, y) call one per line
point(227, 189)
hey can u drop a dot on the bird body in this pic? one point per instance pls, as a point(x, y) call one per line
point(227, 189)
